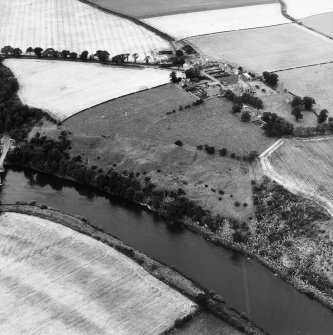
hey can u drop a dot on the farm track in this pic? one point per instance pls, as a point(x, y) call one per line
point(304, 167)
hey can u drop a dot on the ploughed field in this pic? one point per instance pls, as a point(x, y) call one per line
point(64, 88)
point(303, 8)
point(322, 23)
point(54, 280)
point(72, 25)
point(314, 81)
point(150, 8)
point(213, 21)
point(304, 167)
point(267, 49)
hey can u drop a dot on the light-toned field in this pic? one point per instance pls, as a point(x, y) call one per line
point(322, 23)
point(206, 324)
point(72, 25)
point(64, 88)
point(304, 167)
point(303, 8)
point(267, 49)
point(207, 22)
point(315, 81)
point(54, 280)
point(151, 8)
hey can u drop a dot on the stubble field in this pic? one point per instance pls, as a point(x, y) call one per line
point(64, 88)
point(56, 281)
point(208, 22)
point(267, 49)
point(72, 25)
point(322, 23)
point(141, 9)
point(304, 167)
point(315, 81)
point(303, 8)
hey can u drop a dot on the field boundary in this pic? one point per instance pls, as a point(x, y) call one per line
point(270, 172)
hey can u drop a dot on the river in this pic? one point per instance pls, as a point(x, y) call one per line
point(244, 284)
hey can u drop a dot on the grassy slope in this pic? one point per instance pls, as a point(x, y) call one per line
point(321, 23)
point(72, 284)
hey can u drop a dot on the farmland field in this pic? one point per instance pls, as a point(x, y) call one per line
point(322, 23)
point(72, 25)
point(303, 166)
point(81, 85)
point(315, 81)
point(150, 8)
point(267, 49)
point(192, 24)
point(54, 280)
point(303, 8)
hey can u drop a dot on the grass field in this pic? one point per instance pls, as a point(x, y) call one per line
point(143, 116)
point(315, 81)
point(322, 23)
point(205, 324)
point(72, 25)
point(304, 167)
point(65, 88)
point(56, 281)
point(198, 23)
point(150, 8)
point(303, 8)
point(267, 49)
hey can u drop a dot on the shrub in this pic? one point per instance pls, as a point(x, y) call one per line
point(223, 152)
point(200, 147)
point(236, 108)
point(179, 143)
point(233, 155)
point(237, 204)
point(210, 149)
point(246, 116)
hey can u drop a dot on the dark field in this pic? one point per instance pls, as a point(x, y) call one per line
point(142, 9)
point(143, 116)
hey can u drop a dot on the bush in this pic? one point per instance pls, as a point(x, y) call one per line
point(200, 147)
point(223, 152)
point(236, 108)
point(179, 143)
point(246, 116)
point(237, 204)
point(210, 150)
point(233, 155)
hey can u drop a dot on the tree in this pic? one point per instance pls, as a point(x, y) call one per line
point(135, 57)
point(297, 112)
point(55, 54)
point(29, 50)
point(297, 101)
point(84, 55)
point(1, 59)
point(276, 125)
point(308, 103)
point(173, 77)
point(73, 55)
point(48, 52)
point(237, 108)
point(246, 116)
point(271, 78)
point(38, 51)
point(7, 50)
point(179, 53)
point(103, 56)
point(147, 58)
point(323, 115)
point(17, 52)
point(127, 56)
point(64, 53)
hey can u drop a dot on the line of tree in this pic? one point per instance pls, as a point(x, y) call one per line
point(271, 79)
point(245, 98)
point(299, 104)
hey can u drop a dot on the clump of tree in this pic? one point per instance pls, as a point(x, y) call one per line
point(276, 126)
point(246, 98)
point(84, 55)
point(102, 55)
point(271, 79)
point(298, 105)
point(193, 73)
point(237, 108)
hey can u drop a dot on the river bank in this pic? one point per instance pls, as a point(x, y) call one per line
point(210, 301)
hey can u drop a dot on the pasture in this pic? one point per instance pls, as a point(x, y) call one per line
point(64, 88)
point(303, 167)
point(322, 23)
point(72, 25)
point(56, 281)
point(142, 9)
point(300, 9)
point(267, 49)
point(143, 116)
point(199, 23)
point(315, 81)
